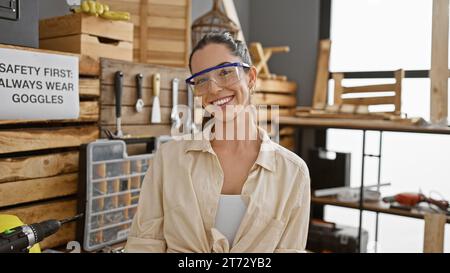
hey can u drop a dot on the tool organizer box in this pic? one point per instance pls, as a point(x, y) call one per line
point(109, 187)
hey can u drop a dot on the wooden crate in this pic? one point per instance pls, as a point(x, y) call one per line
point(87, 35)
point(287, 137)
point(276, 92)
point(162, 30)
point(138, 125)
point(39, 159)
point(280, 93)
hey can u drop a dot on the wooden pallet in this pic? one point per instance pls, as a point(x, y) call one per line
point(39, 159)
point(162, 30)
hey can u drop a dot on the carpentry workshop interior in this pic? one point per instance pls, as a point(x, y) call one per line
point(93, 93)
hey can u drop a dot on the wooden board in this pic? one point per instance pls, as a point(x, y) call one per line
point(322, 74)
point(276, 86)
point(369, 101)
point(369, 88)
point(109, 67)
point(129, 96)
point(131, 117)
point(439, 63)
point(160, 22)
point(22, 168)
point(266, 114)
point(328, 115)
point(165, 9)
point(287, 131)
point(36, 139)
point(81, 23)
point(383, 125)
point(161, 33)
point(138, 131)
point(160, 28)
point(23, 191)
point(288, 142)
point(371, 206)
point(89, 45)
point(89, 112)
point(136, 149)
point(274, 99)
point(433, 241)
point(89, 88)
point(49, 210)
point(88, 66)
point(139, 124)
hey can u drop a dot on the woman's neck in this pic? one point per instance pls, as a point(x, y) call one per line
point(240, 133)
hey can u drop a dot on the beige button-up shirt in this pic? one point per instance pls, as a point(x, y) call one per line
point(180, 194)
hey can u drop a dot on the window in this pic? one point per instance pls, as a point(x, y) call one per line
point(384, 35)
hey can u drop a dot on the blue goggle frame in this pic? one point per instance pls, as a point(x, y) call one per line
point(189, 80)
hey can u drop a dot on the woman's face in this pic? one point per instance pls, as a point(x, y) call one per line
point(223, 98)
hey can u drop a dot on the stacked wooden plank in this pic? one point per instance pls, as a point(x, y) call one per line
point(138, 124)
point(39, 160)
point(282, 94)
point(162, 29)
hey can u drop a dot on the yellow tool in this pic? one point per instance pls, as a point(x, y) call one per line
point(11, 221)
point(98, 9)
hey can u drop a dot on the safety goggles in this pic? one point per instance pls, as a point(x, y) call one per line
point(223, 75)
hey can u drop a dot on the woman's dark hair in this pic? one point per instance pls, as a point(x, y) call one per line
point(236, 47)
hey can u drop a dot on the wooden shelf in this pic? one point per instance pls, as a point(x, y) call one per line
point(376, 125)
point(88, 66)
point(371, 206)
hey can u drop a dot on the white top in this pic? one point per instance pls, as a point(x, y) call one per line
point(229, 215)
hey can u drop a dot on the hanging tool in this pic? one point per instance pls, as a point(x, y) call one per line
point(412, 199)
point(118, 85)
point(118, 81)
point(22, 238)
point(156, 109)
point(190, 117)
point(139, 102)
point(176, 122)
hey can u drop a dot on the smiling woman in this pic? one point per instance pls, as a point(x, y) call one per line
point(238, 194)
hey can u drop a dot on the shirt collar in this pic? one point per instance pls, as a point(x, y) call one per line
point(266, 157)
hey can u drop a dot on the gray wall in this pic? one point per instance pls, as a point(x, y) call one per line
point(200, 7)
point(52, 8)
point(294, 23)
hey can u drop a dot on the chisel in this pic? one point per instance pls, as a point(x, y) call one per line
point(139, 101)
point(156, 109)
point(174, 115)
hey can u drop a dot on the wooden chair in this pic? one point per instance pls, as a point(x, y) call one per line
point(260, 56)
point(364, 102)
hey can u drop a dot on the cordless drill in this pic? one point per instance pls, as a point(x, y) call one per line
point(22, 238)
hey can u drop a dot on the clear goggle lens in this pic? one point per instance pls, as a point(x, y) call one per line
point(222, 77)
